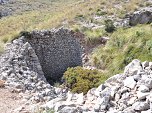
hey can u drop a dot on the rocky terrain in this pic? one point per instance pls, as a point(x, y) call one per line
point(32, 58)
point(34, 61)
point(129, 92)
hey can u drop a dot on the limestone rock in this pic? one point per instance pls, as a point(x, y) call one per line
point(148, 82)
point(137, 77)
point(51, 104)
point(143, 88)
point(141, 95)
point(147, 111)
point(130, 82)
point(103, 100)
point(133, 68)
point(140, 106)
point(70, 110)
point(114, 79)
point(142, 16)
point(132, 100)
point(145, 64)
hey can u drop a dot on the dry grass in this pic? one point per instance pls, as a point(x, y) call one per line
point(124, 46)
point(54, 13)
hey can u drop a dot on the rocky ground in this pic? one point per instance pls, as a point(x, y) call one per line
point(128, 92)
point(9, 101)
point(24, 89)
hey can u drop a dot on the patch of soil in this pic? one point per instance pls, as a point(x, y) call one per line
point(9, 101)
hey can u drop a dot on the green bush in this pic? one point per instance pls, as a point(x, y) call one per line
point(109, 26)
point(81, 80)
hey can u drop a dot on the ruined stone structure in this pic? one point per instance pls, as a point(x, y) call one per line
point(56, 50)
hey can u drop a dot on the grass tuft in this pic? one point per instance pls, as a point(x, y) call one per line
point(124, 46)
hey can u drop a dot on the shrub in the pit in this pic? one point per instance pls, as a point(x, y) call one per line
point(81, 80)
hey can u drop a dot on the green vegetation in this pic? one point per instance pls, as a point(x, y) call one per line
point(46, 14)
point(125, 45)
point(40, 110)
point(81, 80)
point(93, 36)
point(100, 12)
point(109, 26)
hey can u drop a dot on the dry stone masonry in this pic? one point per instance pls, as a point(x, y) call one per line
point(56, 50)
point(49, 53)
point(33, 57)
point(22, 70)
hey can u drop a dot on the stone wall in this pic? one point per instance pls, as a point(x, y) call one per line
point(22, 72)
point(56, 50)
point(37, 57)
point(19, 55)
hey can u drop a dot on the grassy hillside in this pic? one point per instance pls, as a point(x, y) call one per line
point(124, 46)
point(44, 14)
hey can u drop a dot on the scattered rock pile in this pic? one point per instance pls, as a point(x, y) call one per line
point(5, 12)
point(21, 70)
point(129, 92)
point(142, 16)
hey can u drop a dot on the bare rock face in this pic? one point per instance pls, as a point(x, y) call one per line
point(143, 16)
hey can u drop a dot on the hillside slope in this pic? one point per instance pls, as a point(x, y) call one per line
point(29, 65)
point(37, 14)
